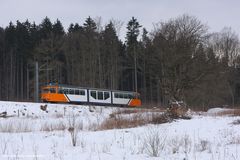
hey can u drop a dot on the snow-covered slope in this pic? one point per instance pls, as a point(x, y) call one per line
point(32, 133)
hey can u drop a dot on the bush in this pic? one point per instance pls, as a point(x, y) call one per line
point(154, 142)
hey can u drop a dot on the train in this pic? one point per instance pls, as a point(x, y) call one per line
point(61, 93)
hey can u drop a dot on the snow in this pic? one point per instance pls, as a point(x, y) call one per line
point(27, 136)
point(217, 110)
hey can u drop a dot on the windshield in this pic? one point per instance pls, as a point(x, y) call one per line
point(49, 90)
point(45, 90)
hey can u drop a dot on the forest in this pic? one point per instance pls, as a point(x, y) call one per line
point(179, 59)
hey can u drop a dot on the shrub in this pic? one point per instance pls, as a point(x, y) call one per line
point(154, 142)
point(74, 128)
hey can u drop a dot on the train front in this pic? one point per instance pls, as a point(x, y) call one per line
point(49, 93)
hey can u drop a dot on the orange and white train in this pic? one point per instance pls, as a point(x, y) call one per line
point(69, 94)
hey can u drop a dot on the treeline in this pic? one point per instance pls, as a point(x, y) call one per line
point(179, 60)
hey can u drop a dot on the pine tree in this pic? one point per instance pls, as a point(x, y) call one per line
point(74, 28)
point(45, 28)
point(110, 51)
point(132, 50)
point(91, 54)
point(58, 29)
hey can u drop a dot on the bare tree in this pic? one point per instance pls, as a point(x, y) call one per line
point(179, 45)
point(226, 45)
point(117, 25)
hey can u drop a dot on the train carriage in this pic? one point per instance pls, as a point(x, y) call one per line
point(69, 94)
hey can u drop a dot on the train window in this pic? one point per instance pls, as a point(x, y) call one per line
point(130, 96)
point(120, 95)
point(106, 95)
point(125, 96)
point(77, 92)
point(52, 90)
point(45, 90)
point(93, 94)
point(65, 91)
point(100, 95)
point(60, 90)
point(116, 95)
point(71, 91)
point(82, 92)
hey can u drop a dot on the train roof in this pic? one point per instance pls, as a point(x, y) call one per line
point(72, 86)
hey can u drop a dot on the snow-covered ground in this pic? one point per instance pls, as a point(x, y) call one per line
point(31, 133)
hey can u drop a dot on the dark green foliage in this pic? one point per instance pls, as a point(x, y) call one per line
point(110, 57)
point(74, 28)
point(58, 29)
point(45, 28)
point(131, 69)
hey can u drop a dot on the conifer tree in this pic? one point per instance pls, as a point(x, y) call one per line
point(133, 31)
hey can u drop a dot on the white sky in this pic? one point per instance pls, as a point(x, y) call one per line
point(215, 13)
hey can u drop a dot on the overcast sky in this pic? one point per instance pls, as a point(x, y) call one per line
point(215, 13)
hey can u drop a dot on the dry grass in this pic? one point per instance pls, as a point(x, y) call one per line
point(58, 115)
point(125, 111)
point(93, 127)
point(48, 127)
point(130, 118)
point(121, 122)
point(159, 119)
point(234, 140)
point(230, 112)
point(16, 126)
point(129, 111)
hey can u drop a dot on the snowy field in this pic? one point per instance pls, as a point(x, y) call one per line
point(29, 132)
